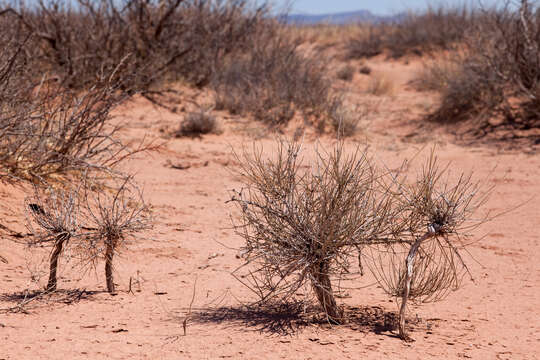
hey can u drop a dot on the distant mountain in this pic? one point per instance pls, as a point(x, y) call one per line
point(365, 16)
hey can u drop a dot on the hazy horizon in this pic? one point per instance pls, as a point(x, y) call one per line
point(378, 7)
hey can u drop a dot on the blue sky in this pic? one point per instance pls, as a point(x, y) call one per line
point(381, 7)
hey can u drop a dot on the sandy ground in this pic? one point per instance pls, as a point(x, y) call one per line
point(191, 252)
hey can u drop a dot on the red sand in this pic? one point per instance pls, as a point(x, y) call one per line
point(496, 317)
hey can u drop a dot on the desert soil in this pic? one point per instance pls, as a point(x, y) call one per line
point(192, 250)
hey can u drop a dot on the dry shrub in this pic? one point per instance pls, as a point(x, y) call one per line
point(366, 70)
point(273, 79)
point(368, 43)
point(60, 133)
point(158, 40)
point(90, 222)
point(54, 222)
point(437, 214)
point(467, 88)
point(304, 226)
point(46, 129)
point(498, 74)
point(115, 218)
point(435, 29)
point(196, 124)
point(346, 73)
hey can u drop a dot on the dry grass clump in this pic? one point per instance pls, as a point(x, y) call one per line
point(379, 84)
point(86, 224)
point(196, 124)
point(304, 224)
point(344, 120)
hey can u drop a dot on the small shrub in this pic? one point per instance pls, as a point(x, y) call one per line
point(196, 124)
point(56, 214)
point(346, 73)
point(424, 263)
point(89, 224)
point(366, 70)
point(114, 219)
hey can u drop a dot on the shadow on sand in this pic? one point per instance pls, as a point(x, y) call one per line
point(288, 319)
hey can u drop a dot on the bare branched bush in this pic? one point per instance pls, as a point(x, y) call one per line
point(114, 219)
point(158, 40)
point(436, 217)
point(303, 226)
point(90, 223)
point(53, 220)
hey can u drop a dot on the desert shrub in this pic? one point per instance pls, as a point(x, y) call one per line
point(367, 44)
point(497, 76)
point(114, 219)
point(436, 214)
point(54, 221)
point(58, 132)
point(467, 88)
point(366, 70)
point(273, 79)
point(435, 29)
point(90, 222)
point(158, 41)
point(346, 73)
point(196, 124)
point(304, 226)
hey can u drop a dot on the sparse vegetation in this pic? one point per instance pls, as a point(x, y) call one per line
point(307, 219)
point(438, 28)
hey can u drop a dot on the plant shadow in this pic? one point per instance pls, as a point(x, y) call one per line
point(290, 318)
point(26, 300)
